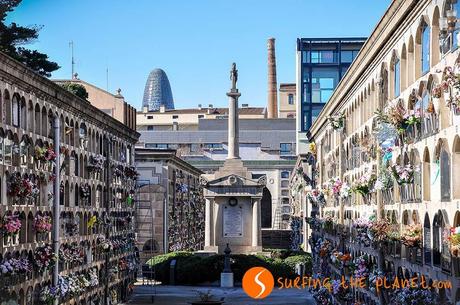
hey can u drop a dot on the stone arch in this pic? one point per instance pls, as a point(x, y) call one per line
point(16, 110)
point(44, 122)
point(23, 114)
point(426, 174)
point(440, 248)
point(37, 117)
point(403, 65)
point(395, 75)
point(383, 94)
point(434, 44)
point(266, 209)
point(7, 103)
point(422, 47)
point(456, 167)
point(30, 116)
point(442, 155)
point(410, 61)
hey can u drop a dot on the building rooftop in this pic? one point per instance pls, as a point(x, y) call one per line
point(268, 132)
point(217, 111)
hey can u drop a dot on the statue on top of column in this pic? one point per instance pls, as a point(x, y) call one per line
point(234, 75)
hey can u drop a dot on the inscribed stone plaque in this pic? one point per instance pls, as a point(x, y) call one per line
point(233, 221)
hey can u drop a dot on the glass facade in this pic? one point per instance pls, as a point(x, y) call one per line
point(157, 91)
point(323, 63)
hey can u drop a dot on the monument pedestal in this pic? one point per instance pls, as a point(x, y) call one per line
point(226, 280)
point(232, 195)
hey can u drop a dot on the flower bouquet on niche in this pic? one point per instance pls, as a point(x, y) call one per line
point(337, 121)
point(450, 85)
point(380, 231)
point(131, 173)
point(454, 240)
point(365, 184)
point(409, 295)
point(412, 117)
point(85, 191)
point(403, 174)
point(96, 163)
point(412, 236)
point(345, 190)
point(11, 224)
point(42, 223)
point(361, 268)
point(22, 188)
point(14, 266)
point(44, 258)
point(361, 226)
point(316, 196)
point(48, 294)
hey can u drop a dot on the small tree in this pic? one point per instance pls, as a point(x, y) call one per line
point(77, 89)
point(13, 36)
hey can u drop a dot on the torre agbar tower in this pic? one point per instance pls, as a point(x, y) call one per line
point(93, 230)
point(383, 169)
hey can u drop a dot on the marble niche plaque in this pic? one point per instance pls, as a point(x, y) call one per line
point(233, 221)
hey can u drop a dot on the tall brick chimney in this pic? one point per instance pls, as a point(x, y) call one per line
point(272, 103)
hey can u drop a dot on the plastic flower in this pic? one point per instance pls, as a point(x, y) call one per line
point(42, 223)
point(412, 236)
point(11, 224)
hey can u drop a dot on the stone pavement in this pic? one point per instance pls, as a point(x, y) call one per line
point(181, 295)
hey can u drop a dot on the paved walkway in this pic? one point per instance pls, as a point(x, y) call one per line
point(181, 295)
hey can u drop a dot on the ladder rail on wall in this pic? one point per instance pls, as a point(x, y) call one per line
point(148, 217)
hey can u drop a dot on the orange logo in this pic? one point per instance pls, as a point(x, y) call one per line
point(258, 282)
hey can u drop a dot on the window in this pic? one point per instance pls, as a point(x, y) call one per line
point(291, 99)
point(156, 145)
point(212, 146)
point(305, 120)
point(175, 116)
point(194, 147)
point(306, 93)
point(150, 127)
point(315, 112)
point(285, 148)
point(397, 77)
point(285, 174)
point(347, 56)
point(305, 57)
point(284, 183)
point(323, 57)
point(425, 48)
point(200, 116)
point(149, 117)
point(323, 84)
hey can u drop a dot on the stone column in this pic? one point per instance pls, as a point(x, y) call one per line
point(256, 223)
point(209, 234)
point(233, 128)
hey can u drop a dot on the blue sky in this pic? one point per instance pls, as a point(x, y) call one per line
point(195, 42)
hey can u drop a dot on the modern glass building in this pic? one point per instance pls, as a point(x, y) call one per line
point(321, 63)
point(157, 91)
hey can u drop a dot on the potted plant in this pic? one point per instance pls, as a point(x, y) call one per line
point(206, 299)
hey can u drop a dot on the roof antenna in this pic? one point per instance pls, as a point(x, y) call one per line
point(73, 61)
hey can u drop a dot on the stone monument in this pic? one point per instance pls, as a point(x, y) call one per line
point(233, 197)
point(226, 277)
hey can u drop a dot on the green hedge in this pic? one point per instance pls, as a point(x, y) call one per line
point(192, 269)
